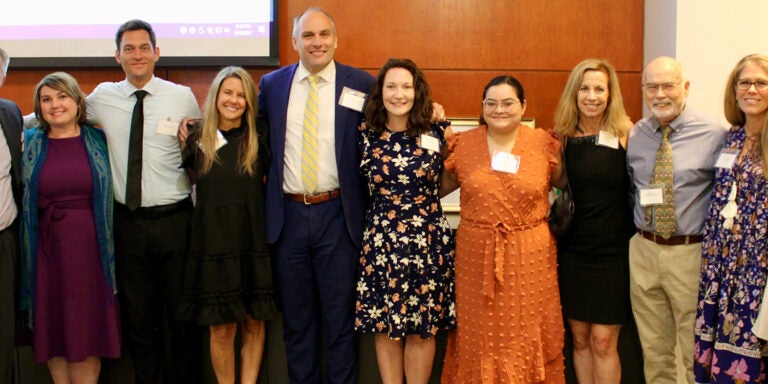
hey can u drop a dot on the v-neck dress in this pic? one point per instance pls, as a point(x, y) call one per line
point(509, 320)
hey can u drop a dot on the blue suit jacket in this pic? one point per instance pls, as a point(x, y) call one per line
point(11, 120)
point(274, 91)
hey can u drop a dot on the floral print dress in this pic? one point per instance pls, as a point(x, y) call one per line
point(406, 277)
point(734, 270)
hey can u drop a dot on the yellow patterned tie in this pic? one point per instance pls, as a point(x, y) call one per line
point(309, 142)
point(665, 222)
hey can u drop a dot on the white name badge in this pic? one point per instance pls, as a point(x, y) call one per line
point(352, 99)
point(429, 142)
point(607, 139)
point(505, 162)
point(651, 196)
point(726, 159)
point(167, 127)
point(220, 141)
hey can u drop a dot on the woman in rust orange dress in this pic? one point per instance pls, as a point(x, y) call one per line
point(510, 327)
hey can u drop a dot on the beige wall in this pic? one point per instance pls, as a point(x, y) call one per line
point(709, 37)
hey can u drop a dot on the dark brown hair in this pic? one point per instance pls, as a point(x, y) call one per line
point(421, 113)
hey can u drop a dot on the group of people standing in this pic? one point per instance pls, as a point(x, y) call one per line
point(681, 236)
point(317, 194)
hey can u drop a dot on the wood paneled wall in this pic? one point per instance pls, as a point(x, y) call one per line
point(460, 45)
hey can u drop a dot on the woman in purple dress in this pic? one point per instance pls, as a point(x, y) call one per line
point(67, 265)
point(734, 263)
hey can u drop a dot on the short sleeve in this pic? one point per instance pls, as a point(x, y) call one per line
point(553, 146)
point(451, 138)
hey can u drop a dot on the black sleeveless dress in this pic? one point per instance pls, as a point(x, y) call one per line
point(593, 260)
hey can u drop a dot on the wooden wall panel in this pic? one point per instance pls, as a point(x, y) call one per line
point(542, 91)
point(460, 44)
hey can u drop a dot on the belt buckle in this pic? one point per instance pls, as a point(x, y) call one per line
point(305, 199)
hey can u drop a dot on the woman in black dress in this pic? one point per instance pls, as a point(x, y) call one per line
point(593, 258)
point(228, 280)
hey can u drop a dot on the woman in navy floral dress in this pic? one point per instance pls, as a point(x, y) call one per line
point(734, 264)
point(405, 290)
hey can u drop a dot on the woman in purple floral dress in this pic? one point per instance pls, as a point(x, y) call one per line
point(734, 265)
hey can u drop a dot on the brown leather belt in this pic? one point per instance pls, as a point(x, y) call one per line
point(317, 198)
point(672, 240)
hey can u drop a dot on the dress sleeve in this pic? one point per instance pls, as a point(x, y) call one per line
point(553, 151)
point(364, 145)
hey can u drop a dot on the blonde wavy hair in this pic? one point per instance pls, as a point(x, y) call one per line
point(567, 113)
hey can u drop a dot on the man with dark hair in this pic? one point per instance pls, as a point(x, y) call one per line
point(153, 208)
point(10, 198)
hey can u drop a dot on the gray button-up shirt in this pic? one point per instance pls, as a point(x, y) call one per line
point(696, 140)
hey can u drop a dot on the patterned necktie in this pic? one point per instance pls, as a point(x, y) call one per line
point(309, 142)
point(135, 144)
point(665, 222)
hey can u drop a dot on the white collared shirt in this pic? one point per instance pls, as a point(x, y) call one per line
point(328, 178)
point(8, 210)
point(110, 105)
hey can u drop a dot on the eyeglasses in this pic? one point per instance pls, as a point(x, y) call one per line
point(654, 87)
point(506, 104)
point(760, 85)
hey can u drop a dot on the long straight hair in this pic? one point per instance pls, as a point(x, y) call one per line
point(249, 144)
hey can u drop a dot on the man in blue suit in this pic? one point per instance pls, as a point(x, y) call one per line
point(316, 230)
point(10, 200)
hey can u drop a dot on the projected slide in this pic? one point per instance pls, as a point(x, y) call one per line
point(239, 32)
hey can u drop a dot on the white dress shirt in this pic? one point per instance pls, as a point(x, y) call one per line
point(110, 105)
point(327, 174)
point(8, 209)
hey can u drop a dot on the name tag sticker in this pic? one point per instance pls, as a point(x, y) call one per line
point(652, 196)
point(726, 159)
point(505, 162)
point(352, 99)
point(607, 139)
point(167, 127)
point(220, 141)
point(429, 142)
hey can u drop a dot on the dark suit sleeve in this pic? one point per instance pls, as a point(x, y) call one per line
point(262, 115)
point(265, 153)
point(13, 123)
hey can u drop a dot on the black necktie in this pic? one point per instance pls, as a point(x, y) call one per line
point(133, 181)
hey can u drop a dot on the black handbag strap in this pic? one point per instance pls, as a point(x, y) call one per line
point(563, 143)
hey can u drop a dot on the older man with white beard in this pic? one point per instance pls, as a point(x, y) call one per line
point(671, 157)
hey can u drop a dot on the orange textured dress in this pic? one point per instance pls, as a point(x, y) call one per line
point(509, 321)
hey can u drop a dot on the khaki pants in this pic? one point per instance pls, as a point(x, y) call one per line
point(664, 286)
